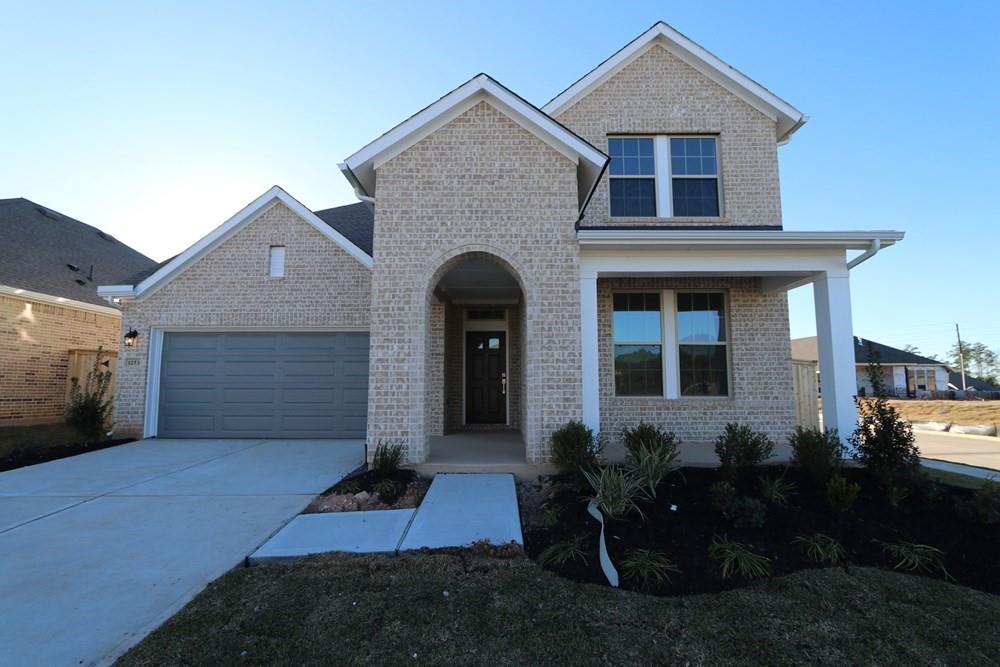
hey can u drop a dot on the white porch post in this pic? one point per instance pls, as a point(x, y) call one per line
point(588, 350)
point(835, 340)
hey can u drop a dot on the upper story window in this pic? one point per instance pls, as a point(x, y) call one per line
point(664, 177)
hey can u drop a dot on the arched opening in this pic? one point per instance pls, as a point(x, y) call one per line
point(476, 409)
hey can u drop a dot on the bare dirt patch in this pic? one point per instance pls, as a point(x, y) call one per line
point(955, 412)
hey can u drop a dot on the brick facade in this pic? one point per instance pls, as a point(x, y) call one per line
point(35, 339)
point(660, 94)
point(760, 366)
point(480, 186)
point(229, 288)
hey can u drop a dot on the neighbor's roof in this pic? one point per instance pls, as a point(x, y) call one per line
point(50, 253)
point(955, 380)
point(787, 118)
point(806, 349)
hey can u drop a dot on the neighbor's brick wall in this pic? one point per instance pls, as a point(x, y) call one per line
point(323, 287)
point(35, 339)
point(760, 366)
point(480, 184)
point(660, 94)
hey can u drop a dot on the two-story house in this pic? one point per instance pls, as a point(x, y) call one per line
point(615, 255)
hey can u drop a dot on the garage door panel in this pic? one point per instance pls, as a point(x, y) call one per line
point(264, 384)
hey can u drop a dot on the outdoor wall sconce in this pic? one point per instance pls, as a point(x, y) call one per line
point(130, 337)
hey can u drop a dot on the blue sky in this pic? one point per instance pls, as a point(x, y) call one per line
point(156, 121)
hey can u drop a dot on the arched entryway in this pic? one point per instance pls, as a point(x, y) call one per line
point(476, 352)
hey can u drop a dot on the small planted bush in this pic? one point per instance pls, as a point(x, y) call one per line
point(648, 436)
point(884, 441)
point(776, 490)
point(89, 406)
point(896, 494)
point(821, 549)
point(560, 553)
point(648, 569)
point(736, 559)
point(818, 453)
point(575, 449)
point(841, 494)
point(388, 490)
point(983, 507)
point(388, 456)
point(616, 491)
point(742, 511)
point(650, 465)
point(740, 449)
point(916, 557)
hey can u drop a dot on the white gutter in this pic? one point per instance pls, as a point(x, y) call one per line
point(656, 236)
point(40, 297)
point(867, 254)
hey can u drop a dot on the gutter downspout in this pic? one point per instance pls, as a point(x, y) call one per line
point(866, 255)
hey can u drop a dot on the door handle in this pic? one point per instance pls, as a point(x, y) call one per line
point(503, 384)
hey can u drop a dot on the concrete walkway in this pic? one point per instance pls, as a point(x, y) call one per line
point(99, 549)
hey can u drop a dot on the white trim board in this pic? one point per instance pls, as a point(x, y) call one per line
point(787, 118)
point(217, 236)
point(41, 297)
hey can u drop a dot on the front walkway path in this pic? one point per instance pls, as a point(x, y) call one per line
point(101, 548)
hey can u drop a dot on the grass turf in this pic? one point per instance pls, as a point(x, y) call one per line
point(477, 610)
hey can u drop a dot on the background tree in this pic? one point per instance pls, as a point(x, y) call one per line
point(980, 361)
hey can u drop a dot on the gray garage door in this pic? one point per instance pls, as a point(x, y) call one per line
point(263, 385)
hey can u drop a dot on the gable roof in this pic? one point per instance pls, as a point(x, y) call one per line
point(787, 117)
point(53, 254)
point(144, 285)
point(977, 384)
point(806, 349)
point(354, 221)
point(360, 168)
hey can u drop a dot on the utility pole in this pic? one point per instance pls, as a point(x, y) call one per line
point(961, 356)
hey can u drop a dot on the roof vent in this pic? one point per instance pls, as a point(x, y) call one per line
point(81, 282)
point(106, 237)
point(51, 215)
point(72, 267)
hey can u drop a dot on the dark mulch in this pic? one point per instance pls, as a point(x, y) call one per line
point(369, 480)
point(928, 516)
point(28, 445)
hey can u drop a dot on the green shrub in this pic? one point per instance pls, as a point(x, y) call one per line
point(387, 457)
point(349, 486)
point(648, 569)
point(388, 490)
point(742, 511)
point(575, 449)
point(896, 494)
point(650, 465)
point(89, 407)
point(615, 490)
point(648, 436)
point(916, 557)
point(740, 449)
point(841, 494)
point(883, 441)
point(821, 549)
point(735, 558)
point(776, 490)
point(818, 453)
point(560, 553)
point(984, 505)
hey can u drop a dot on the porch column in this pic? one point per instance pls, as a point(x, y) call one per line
point(588, 351)
point(835, 341)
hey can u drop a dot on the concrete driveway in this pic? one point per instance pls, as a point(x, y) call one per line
point(99, 549)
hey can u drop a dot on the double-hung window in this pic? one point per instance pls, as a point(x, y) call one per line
point(670, 343)
point(664, 176)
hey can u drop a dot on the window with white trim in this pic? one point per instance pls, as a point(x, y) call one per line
point(276, 261)
point(922, 379)
point(664, 176)
point(670, 343)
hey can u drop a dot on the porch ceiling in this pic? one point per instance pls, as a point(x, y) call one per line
point(480, 281)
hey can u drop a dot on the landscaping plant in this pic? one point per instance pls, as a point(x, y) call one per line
point(740, 449)
point(821, 549)
point(776, 490)
point(916, 557)
point(575, 449)
point(818, 453)
point(984, 505)
point(648, 569)
point(89, 407)
point(616, 491)
point(387, 457)
point(896, 494)
point(742, 511)
point(883, 441)
point(648, 436)
point(841, 494)
point(735, 558)
point(650, 465)
point(388, 490)
point(564, 552)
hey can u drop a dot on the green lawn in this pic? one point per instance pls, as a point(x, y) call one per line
point(955, 479)
point(465, 609)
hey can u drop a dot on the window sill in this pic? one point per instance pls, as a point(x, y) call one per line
point(676, 221)
point(679, 399)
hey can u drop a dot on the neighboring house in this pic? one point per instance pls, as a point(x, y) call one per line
point(971, 383)
point(615, 255)
point(50, 266)
point(904, 373)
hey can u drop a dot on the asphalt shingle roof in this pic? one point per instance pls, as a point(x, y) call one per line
point(355, 221)
point(39, 248)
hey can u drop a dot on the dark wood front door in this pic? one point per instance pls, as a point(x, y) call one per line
point(485, 377)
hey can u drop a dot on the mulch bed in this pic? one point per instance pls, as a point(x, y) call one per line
point(368, 490)
point(928, 516)
point(30, 456)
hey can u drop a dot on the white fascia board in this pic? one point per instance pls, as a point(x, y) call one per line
point(224, 231)
point(360, 167)
point(787, 117)
point(41, 297)
point(653, 237)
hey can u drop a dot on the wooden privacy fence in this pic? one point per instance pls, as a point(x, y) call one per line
point(806, 390)
point(80, 363)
